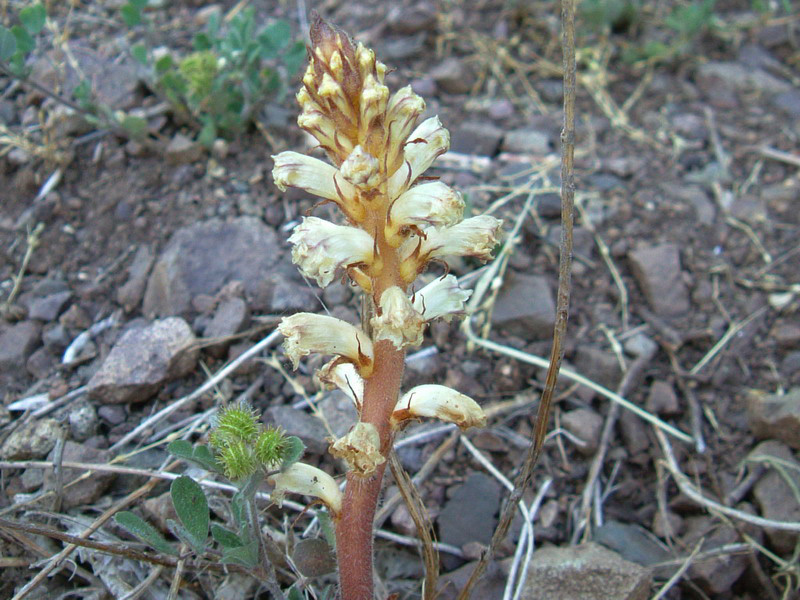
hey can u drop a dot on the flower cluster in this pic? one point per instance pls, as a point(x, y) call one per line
point(396, 224)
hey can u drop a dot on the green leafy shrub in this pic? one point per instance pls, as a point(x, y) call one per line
point(233, 72)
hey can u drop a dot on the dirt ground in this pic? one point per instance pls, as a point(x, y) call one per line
point(684, 293)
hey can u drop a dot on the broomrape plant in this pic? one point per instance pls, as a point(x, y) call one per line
point(396, 224)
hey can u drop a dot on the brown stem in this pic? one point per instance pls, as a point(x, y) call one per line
point(354, 529)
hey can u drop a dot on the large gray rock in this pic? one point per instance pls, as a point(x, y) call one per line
point(142, 360)
point(300, 423)
point(585, 572)
point(31, 441)
point(202, 258)
point(89, 489)
point(716, 575)
point(525, 306)
point(774, 494)
point(131, 292)
point(16, 344)
point(775, 416)
point(740, 77)
point(658, 272)
point(469, 515)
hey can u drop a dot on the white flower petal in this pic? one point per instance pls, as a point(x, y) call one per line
point(440, 402)
point(321, 248)
point(428, 204)
point(307, 332)
point(317, 177)
point(428, 141)
point(476, 236)
point(441, 298)
point(398, 322)
point(304, 479)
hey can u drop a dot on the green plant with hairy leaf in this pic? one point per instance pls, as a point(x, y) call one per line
point(246, 452)
point(232, 73)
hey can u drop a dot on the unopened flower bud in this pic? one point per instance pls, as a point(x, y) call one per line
point(440, 402)
point(397, 320)
point(322, 248)
point(360, 168)
point(304, 479)
point(307, 332)
point(360, 449)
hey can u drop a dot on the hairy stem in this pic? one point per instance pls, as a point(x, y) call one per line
point(354, 529)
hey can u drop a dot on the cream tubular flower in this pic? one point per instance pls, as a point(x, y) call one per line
point(476, 237)
point(317, 177)
point(428, 204)
point(424, 145)
point(360, 449)
point(397, 322)
point(304, 479)
point(344, 376)
point(439, 402)
point(306, 333)
point(321, 248)
point(441, 298)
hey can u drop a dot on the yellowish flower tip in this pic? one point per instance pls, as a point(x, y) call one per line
point(270, 446)
point(360, 449)
point(237, 459)
point(397, 320)
point(307, 332)
point(439, 402)
point(304, 479)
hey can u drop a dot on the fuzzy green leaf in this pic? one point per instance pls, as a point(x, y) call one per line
point(328, 530)
point(33, 17)
point(180, 532)
point(246, 556)
point(295, 448)
point(273, 38)
point(239, 511)
point(294, 593)
point(140, 4)
point(8, 43)
point(139, 52)
point(295, 57)
point(131, 14)
point(25, 43)
point(136, 127)
point(201, 42)
point(198, 454)
point(145, 532)
point(225, 537)
point(192, 508)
